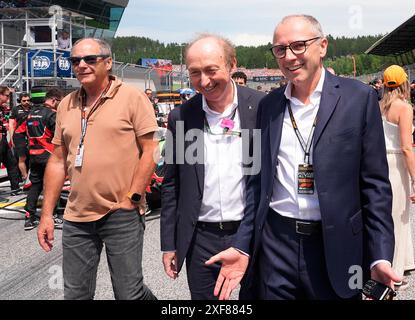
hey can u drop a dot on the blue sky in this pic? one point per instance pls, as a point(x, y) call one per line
point(251, 22)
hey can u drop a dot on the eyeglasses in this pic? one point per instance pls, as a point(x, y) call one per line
point(296, 47)
point(90, 59)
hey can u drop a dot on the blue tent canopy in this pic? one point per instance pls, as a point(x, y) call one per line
point(186, 91)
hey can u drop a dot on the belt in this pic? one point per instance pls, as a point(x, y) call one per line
point(226, 225)
point(303, 227)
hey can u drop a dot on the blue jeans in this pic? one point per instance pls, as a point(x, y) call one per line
point(122, 233)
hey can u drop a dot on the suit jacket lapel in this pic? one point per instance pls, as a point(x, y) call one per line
point(246, 109)
point(275, 126)
point(196, 121)
point(329, 98)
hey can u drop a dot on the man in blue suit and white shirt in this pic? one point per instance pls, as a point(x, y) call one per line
point(203, 193)
point(320, 210)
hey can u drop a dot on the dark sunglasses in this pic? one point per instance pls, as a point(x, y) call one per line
point(90, 59)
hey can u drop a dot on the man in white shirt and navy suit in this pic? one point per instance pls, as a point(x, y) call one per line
point(320, 210)
point(203, 202)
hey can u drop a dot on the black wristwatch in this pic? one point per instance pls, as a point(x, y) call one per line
point(134, 197)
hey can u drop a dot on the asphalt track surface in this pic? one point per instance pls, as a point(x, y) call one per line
point(29, 273)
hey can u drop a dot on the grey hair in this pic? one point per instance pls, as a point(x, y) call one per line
point(227, 45)
point(104, 46)
point(310, 19)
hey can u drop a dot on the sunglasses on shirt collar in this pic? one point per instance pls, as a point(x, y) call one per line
point(90, 59)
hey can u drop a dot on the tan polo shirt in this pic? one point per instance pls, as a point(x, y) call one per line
point(111, 151)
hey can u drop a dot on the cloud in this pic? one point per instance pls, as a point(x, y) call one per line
point(249, 39)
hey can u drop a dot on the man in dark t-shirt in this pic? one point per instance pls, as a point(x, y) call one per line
point(17, 131)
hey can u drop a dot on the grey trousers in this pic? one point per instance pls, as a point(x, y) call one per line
point(122, 233)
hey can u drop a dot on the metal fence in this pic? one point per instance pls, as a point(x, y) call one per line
point(410, 70)
point(23, 67)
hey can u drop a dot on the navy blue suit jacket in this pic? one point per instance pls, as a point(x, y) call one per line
point(182, 189)
point(351, 175)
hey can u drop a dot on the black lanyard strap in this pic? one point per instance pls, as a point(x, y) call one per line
point(96, 105)
point(306, 147)
point(224, 129)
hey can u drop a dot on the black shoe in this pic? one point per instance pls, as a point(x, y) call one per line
point(148, 210)
point(31, 223)
point(58, 222)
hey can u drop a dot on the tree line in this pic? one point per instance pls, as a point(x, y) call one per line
point(339, 54)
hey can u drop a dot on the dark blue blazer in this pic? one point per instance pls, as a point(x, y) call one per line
point(351, 175)
point(182, 189)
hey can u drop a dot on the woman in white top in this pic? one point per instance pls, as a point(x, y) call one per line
point(397, 115)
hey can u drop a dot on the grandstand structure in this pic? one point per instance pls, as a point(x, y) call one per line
point(399, 43)
point(31, 33)
point(31, 51)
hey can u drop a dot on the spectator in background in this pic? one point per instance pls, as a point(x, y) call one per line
point(397, 115)
point(29, 37)
point(413, 92)
point(282, 83)
point(149, 94)
point(240, 78)
point(6, 155)
point(17, 132)
point(64, 41)
point(259, 88)
point(153, 100)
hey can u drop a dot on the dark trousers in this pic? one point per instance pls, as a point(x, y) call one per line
point(7, 157)
point(122, 233)
point(290, 265)
point(206, 242)
point(37, 172)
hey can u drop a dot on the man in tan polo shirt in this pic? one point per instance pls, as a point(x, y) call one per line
point(104, 142)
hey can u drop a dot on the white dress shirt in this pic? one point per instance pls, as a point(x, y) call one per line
point(285, 199)
point(224, 184)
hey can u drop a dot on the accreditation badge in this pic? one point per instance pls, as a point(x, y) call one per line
point(305, 179)
point(79, 156)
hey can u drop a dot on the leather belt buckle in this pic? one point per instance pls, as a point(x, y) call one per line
point(304, 228)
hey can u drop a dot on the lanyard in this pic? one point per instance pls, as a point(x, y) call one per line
point(225, 130)
point(96, 105)
point(306, 147)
